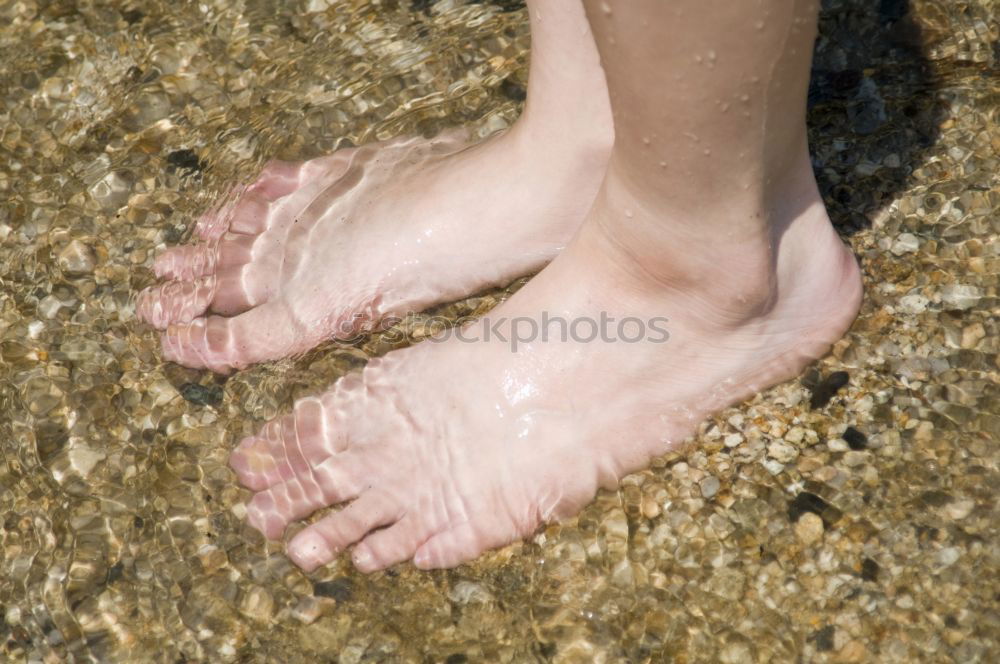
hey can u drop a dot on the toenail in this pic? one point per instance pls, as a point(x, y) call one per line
point(362, 558)
point(309, 550)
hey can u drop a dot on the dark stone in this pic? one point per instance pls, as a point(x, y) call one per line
point(174, 234)
point(513, 90)
point(340, 589)
point(827, 387)
point(869, 570)
point(824, 638)
point(184, 160)
point(201, 395)
point(934, 498)
point(890, 11)
point(855, 439)
point(132, 16)
point(806, 502)
point(457, 658)
point(950, 621)
point(138, 522)
point(115, 572)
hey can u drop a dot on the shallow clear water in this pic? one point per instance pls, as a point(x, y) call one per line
point(780, 536)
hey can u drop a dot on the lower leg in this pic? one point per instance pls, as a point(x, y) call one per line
point(710, 165)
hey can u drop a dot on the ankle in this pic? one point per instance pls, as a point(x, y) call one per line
point(730, 262)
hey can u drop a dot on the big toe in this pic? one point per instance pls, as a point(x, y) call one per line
point(221, 344)
point(175, 301)
point(185, 263)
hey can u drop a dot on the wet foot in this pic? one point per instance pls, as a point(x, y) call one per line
point(327, 247)
point(445, 450)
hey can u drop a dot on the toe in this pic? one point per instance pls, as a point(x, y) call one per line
point(223, 344)
point(215, 221)
point(185, 263)
point(321, 542)
point(277, 179)
point(458, 544)
point(289, 446)
point(385, 548)
point(254, 465)
point(175, 301)
point(235, 250)
point(237, 290)
point(316, 426)
point(336, 480)
point(251, 214)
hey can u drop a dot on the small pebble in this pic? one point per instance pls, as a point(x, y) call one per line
point(828, 387)
point(201, 395)
point(709, 486)
point(855, 439)
point(809, 528)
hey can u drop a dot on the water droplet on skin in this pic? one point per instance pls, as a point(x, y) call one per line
point(606, 8)
point(745, 98)
point(725, 108)
point(708, 153)
point(628, 213)
point(759, 25)
point(711, 56)
point(645, 140)
point(663, 164)
point(698, 59)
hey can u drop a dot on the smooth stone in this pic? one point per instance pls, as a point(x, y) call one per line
point(961, 296)
point(809, 528)
point(77, 259)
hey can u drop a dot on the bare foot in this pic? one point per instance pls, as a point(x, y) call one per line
point(323, 248)
point(445, 450)
point(327, 247)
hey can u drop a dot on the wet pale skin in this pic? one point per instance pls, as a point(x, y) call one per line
point(708, 215)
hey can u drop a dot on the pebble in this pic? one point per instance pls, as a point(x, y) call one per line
point(709, 486)
point(257, 604)
point(809, 528)
point(853, 651)
point(913, 303)
point(201, 395)
point(781, 451)
point(906, 243)
point(961, 296)
point(824, 391)
point(855, 458)
point(949, 556)
point(855, 439)
point(77, 259)
point(307, 610)
point(972, 335)
point(340, 589)
point(469, 592)
point(959, 509)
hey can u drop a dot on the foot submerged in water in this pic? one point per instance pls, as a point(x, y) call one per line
point(445, 450)
point(326, 247)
